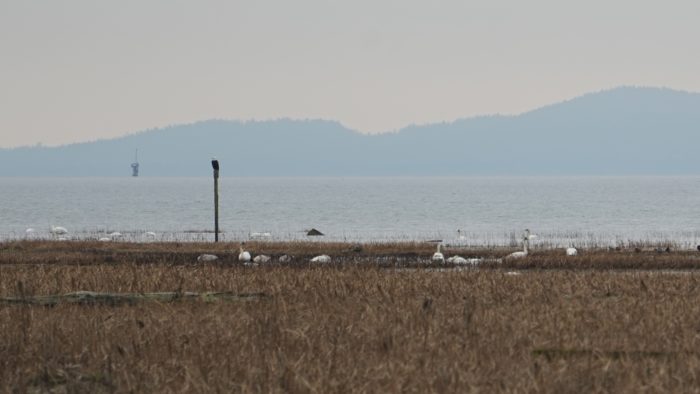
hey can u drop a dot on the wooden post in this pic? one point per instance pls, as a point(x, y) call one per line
point(215, 166)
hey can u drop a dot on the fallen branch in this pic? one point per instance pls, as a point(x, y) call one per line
point(94, 298)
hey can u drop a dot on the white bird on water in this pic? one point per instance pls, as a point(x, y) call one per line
point(571, 251)
point(526, 243)
point(58, 230)
point(243, 255)
point(460, 236)
point(438, 257)
point(260, 235)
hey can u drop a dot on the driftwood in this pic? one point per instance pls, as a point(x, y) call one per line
point(94, 298)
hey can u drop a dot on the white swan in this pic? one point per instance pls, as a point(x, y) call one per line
point(150, 234)
point(105, 239)
point(324, 258)
point(460, 236)
point(261, 258)
point(526, 243)
point(571, 251)
point(242, 254)
point(285, 258)
point(58, 230)
point(438, 257)
point(207, 257)
point(456, 260)
point(459, 260)
point(264, 235)
point(115, 234)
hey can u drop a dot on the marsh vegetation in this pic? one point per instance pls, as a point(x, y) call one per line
point(380, 318)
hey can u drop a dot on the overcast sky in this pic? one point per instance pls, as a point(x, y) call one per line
point(77, 70)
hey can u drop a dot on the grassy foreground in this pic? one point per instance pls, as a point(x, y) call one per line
point(366, 325)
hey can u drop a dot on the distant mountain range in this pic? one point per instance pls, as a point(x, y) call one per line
point(623, 131)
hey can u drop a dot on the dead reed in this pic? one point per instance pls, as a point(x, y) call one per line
point(343, 327)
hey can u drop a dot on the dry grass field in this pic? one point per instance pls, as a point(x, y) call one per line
point(380, 320)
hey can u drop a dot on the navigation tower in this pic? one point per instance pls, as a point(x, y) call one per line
point(135, 164)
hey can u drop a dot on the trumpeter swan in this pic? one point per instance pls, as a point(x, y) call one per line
point(285, 258)
point(150, 234)
point(242, 254)
point(512, 273)
point(257, 235)
point(571, 251)
point(438, 257)
point(324, 258)
point(105, 239)
point(526, 242)
point(207, 257)
point(459, 260)
point(115, 234)
point(460, 236)
point(58, 230)
point(261, 258)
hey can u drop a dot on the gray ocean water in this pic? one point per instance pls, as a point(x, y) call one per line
point(583, 211)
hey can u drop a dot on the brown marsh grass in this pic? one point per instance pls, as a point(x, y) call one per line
point(344, 327)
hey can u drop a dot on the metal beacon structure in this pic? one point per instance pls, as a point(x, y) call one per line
point(135, 164)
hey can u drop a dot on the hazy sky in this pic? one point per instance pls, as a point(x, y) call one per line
point(76, 70)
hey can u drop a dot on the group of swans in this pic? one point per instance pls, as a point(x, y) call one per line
point(438, 257)
point(245, 257)
point(60, 233)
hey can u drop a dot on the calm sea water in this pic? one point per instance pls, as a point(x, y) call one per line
point(583, 211)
